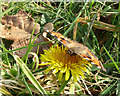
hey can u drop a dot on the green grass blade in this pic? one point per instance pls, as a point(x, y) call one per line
point(27, 87)
point(6, 55)
point(6, 51)
point(112, 60)
point(5, 92)
point(118, 26)
point(11, 8)
point(62, 87)
point(108, 89)
point(118, 88)
point(75, 19)
point(28, 73)
point(36, 60)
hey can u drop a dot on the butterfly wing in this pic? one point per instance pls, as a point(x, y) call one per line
point(77, 48)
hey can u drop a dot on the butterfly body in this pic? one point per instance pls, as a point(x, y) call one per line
point(77, 48)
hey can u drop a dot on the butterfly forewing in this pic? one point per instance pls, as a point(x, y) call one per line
point(77, 48)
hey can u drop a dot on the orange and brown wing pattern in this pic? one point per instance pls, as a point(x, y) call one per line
point(77, 48)
point(92, 58)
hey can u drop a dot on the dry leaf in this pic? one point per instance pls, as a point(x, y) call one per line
point(13, 33)
point(25, 42)
point(18, 28)
point(48, 26)
point(15, 27)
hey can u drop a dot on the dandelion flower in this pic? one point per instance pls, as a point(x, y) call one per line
point(59, 60)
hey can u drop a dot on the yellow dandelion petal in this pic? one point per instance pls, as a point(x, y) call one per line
point(74, 77)
point(55, 70)
point(67, 75)
point(44, 58)
point(87, 71)
point(83, 68)
point(77, 75)
point(73, 70)
point(47, 70)
point(60, 61)
point(60, 76)
point(78, 70)
point(64, 69)
point(45, 64)
point(82, 76)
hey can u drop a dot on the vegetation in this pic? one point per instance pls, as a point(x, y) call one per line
point(23, 76)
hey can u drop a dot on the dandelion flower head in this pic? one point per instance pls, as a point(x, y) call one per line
point(59, 60)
